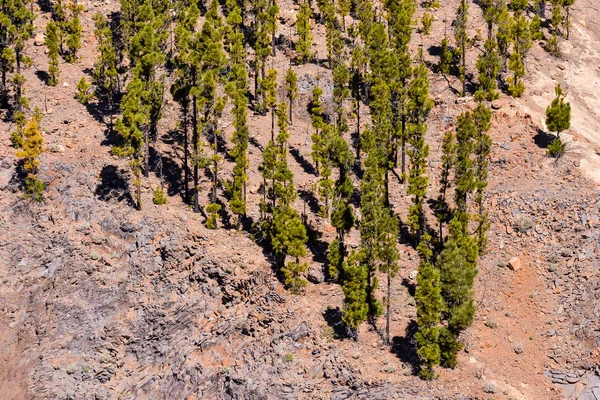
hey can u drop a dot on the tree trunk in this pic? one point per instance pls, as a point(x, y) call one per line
point(358, 140)
point(147, 152)
point(195, 144)
point(387, 314)
point(215, 166)
point(291, 118)
point(273, 124)
point(186, 172)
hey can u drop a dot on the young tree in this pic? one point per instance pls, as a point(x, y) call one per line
point(457, 264)
point(131, 126)
point(521, 38)
point(558, 113)
point(32, 148)
point(315, 108)
point(462, 39)
point(400, 15)
point(52, 44)
point(305, 35)
point(389, 256)
point(83, 91)
point(489, 65)
point(463, 174)
point(237, 90)
point(269, 88)
point(442, 210)
point(73, 30)
point(482, 117)
point(355, 287)
point(291, 88)
point(430, 305)
point(419, 105)
point(445, 58)
point(106, 68)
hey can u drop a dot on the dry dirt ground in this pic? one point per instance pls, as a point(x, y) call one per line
point(98, 300)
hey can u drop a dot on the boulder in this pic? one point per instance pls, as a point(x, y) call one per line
point(514, 263)
point(315, 274)
point(39, 40)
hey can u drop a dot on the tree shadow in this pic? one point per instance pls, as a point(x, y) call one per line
point(254, 142)
point(169, 171)
point(411, 287)
point(43, 76)
point(309, 198)
point(113, 185)
point(355, 198)
point(316, 246)
point(543, 139)
point(405, 347)
point(45, 5)
point(435, 51)
point(333, 317)
point(304, 163)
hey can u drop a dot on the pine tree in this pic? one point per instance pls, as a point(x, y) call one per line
point(445, 58)
point(389, 256)
point(291, 88)
point(457, 264)
point(442, 210)
point(29, 154)
point(419, 105)
point(21, 29)
point(83, 91)
point(181, 90)
point(358, 75)
point(73, 30)
point(237, 89)
point(400, 15)
point(558, 113)
point(482, 117)
point(52, 44)
point(489, 65)
point(305, 35)
point(567, 20)
point(430, 304)
point(136, 116)
point(269, 88)
point(344, 7)
point(521, 38)
point(355, 287)
point(106, 68)
point(462, 40)
point(492, 10)
point(463, 174)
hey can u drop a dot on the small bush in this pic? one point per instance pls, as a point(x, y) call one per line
point(212, 210)
point(427, 20)
point(34, 189)
point(159, 196)
point(492, 324)
point(518, 348)
point(83, 91)
point(552, 47)
point(556, 149)
point(288, 358)
point(523, 224)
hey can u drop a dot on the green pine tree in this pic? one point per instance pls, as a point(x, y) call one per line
point(462, 40)
point(419, 105)
point(52, 44)
point(558, 113)
point(355, 287)
point(305, 35)
point(32, 148)
point(291, 88)
point(489, 65)
point(482, 117)
point(430, 305)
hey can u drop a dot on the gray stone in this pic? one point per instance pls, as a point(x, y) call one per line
point(315, 274)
